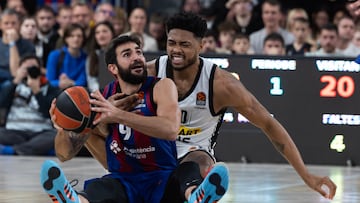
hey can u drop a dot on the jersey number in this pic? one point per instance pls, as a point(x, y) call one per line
point(124, 130)
point(184, 116)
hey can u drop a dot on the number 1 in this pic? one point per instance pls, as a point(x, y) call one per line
point(276, 86)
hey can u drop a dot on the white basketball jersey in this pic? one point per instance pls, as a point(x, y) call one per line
point(199, 123)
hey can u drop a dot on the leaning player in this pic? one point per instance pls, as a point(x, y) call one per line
point(140, 147)
point(205, 92)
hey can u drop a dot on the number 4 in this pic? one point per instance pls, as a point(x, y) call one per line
point(338, 143)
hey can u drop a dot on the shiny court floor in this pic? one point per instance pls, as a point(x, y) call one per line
point(249, 183)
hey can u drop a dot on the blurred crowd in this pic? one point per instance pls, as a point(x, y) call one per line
point(62, 44)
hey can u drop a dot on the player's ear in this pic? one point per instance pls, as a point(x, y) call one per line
point(113, 69)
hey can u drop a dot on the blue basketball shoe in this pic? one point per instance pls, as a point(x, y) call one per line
point(55, 184)
point(213, 187)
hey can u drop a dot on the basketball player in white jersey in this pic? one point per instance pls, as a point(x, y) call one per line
point(205, 91)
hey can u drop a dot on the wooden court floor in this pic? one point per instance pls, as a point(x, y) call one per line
point(249, 183)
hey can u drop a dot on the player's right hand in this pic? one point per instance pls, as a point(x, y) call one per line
point(53, 117)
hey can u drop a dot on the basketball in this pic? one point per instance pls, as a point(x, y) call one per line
point(73, 110)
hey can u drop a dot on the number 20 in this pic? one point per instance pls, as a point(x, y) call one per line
point(344, 86)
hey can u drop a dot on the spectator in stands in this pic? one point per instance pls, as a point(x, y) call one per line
point(104, 12)
point(46, 36)
point(63, 19)
point(293, 14)
point(11, 44)
point(271, 16)
point(18, 6)
point(208, 42)
point(120, 21)
point(226, 37)
point(95, 62)
point(66, 66)
point(320, 18)
point(137, 22)
point(346, 30)
point(353, 9)
point(301, 30)
point(241, 44)
point(356, 38)
point(157, 29)
point(192, 6)
point(274, 44)
point(328, 40)
point(340, 13)
point(28, 129)
point(242, 15)
point(82, 15)
point(28, 29)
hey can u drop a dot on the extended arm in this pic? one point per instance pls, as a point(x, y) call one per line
point(165, 125)
point(229, 92)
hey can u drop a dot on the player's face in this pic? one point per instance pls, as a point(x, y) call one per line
point(182, 48)
point(131, 63)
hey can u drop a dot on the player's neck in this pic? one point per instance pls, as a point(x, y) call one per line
point(128, 88)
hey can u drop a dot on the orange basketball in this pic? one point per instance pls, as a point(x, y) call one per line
point(73, 111)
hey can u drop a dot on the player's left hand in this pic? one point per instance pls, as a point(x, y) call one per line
point(109, 112)
point(317, 183)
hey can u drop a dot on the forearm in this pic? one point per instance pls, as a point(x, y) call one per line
point(68, 144)
point(285, 145)
point(96, 144)
point(154, 126)
point(14, 59)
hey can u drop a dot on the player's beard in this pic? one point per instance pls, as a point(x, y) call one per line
point(127, 76)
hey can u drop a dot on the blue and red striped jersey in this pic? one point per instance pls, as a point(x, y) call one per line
point(130, 151)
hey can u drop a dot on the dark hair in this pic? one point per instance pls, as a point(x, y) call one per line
point(70, 28)
point(158, 18)
point(110, 54)
point(273, 3)
point(226, 26)
point(189, 22)
point(29, 56)
point(329, 27)
point(93, 57)
point(275, 37)
point(46, 8)
point(210, 33)
point(241, 36)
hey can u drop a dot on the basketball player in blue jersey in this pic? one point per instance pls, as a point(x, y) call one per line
point(140, 145)
point(205, 91)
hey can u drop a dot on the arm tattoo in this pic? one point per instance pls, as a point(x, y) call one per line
point(279, 146)
point(77, 141)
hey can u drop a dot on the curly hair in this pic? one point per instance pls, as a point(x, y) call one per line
point(189, 22)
